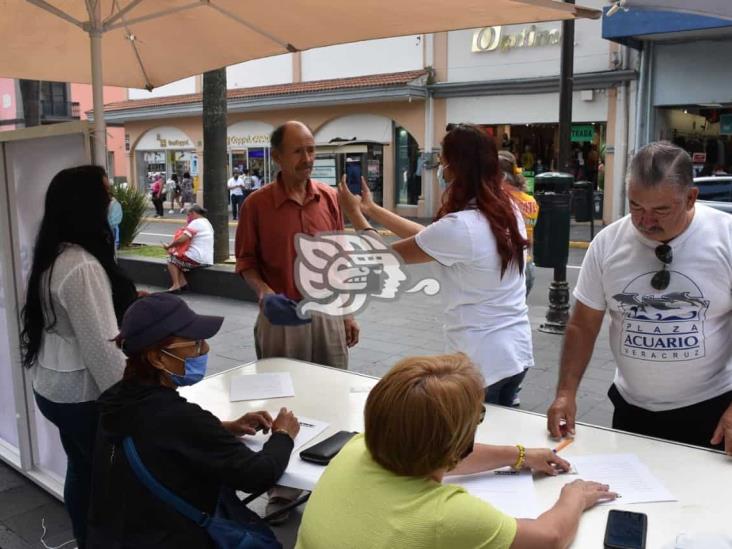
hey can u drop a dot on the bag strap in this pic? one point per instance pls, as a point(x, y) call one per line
point(157, 489)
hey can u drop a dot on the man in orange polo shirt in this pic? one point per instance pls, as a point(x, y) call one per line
point(265, 250)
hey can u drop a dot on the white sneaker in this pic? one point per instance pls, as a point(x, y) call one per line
point(182, 210)
point(170, 211)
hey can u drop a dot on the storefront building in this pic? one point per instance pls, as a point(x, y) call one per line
point(387, 127)
point(506, 80)
point(685, 86)
point(363, 126)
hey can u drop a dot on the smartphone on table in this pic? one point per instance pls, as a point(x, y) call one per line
point(625, 530)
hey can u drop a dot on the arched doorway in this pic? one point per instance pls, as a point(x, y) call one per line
point(166, 150)
point(248, 147)
point(354, 145)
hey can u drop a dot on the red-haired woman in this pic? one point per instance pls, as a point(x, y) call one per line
point(478, 241)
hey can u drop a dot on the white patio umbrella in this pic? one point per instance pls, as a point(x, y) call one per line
point(710, 8)
point(148, 43)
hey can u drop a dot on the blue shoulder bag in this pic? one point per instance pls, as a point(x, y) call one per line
point(225, 533)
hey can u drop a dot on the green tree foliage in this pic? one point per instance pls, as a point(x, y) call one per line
point(134, 203)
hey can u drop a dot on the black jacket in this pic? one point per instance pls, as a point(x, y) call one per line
point(186, 449)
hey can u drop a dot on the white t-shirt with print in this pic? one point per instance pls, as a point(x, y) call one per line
point(486, 316)
point(673, 347)
point(202, 241)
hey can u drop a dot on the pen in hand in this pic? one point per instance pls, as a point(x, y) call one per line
point(566, 442)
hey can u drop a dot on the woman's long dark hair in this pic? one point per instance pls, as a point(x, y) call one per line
point(76, 207)
point(472, 157)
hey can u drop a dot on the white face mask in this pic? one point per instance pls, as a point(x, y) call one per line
point(441, 178)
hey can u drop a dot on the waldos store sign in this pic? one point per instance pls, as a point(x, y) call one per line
point(165, 138)
point(490, 39)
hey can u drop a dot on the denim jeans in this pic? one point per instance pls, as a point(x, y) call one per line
point(77, 425)
point(503, 391)
point(236, 202)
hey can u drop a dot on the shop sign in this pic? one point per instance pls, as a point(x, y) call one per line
point(490, 39)
point(248, 140)
point(324, 169)
point(582, 132)
point(166, 143)
point(698, 158)
point(725, 124)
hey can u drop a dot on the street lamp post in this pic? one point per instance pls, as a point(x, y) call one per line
point(558, 313)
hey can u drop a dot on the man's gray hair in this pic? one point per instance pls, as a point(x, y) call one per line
point(661, 162)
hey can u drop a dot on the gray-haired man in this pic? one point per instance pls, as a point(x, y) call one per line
point(664, 273)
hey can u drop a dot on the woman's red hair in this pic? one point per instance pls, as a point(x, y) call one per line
point(472, 157)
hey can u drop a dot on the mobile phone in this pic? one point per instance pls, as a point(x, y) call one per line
point(625, 530)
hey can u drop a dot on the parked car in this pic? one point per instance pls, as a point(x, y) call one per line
point(715, 191)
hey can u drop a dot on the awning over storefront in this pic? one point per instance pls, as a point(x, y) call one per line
point(355, 127)
point(164, 138)
point(633, 26)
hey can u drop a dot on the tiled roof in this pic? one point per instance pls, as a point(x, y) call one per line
point(371, 81)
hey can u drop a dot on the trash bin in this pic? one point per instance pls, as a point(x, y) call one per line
point(551, 234)
point(582, 201)
point(598, 204)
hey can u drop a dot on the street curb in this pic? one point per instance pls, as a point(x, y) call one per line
point(580, 244)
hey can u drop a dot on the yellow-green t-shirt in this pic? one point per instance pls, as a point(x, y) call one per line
point(359, 504)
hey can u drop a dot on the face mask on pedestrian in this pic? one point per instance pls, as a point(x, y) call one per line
point(195, 369)
point(441, 178)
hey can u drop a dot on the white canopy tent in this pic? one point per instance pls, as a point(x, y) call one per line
point(137, 43)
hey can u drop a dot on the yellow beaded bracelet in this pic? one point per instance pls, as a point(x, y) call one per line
point(521, 457)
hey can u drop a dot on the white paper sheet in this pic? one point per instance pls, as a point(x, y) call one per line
point(309, 429)
point(513, 493)
point(261, 386)
point(625, 474)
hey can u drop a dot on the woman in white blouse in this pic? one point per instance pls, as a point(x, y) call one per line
point(478, 241)
point(75, 298)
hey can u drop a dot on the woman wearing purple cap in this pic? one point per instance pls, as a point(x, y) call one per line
point(187, 449)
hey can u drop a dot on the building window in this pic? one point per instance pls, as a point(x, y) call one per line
point(54, 100)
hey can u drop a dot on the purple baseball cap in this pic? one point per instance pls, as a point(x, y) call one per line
point(155, 317)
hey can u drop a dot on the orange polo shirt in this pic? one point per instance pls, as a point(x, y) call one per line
point(269, 221)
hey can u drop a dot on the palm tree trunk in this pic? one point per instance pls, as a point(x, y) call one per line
point(215, 194)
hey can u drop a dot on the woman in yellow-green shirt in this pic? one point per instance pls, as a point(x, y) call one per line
point(384, 489)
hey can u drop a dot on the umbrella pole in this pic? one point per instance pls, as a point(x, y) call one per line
point(100, 127)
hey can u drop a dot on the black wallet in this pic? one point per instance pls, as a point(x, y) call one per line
point(325, 450)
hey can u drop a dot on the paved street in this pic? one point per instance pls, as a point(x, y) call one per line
point(389, 331)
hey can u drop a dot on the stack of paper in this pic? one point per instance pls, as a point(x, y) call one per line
point(625, 474)
point(261, 386)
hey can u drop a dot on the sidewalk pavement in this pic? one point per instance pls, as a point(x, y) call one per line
point(389, 332)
